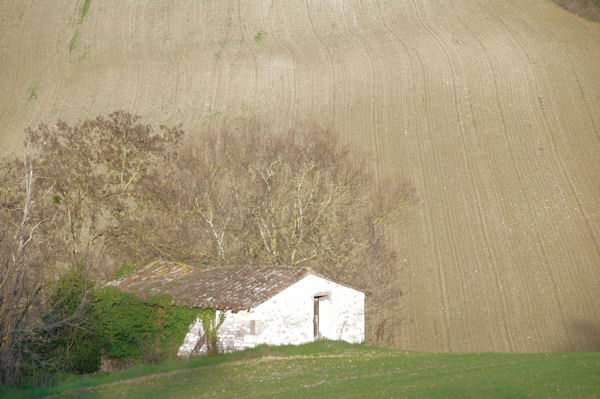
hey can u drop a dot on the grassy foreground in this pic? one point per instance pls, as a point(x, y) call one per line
point(332, 369)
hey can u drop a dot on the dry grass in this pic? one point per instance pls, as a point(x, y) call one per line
point(489, 107)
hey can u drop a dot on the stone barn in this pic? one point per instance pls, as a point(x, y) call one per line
point(262, 305)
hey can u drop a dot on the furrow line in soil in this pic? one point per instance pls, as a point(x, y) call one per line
point(324, 46)
point(539, 238)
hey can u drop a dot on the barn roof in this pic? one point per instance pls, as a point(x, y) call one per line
point(224, 287)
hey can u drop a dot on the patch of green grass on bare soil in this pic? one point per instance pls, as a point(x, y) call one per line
point(32, 92)
point(73, 42)
point(84, 10)
point(333, 370)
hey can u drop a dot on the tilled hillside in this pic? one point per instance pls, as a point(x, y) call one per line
point(491, 109)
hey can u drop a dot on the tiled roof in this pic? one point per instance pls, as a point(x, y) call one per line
point(223, 287)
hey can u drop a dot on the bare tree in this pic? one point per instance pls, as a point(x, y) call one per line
point(298, 198)
point(21, 268)
point(93, 168)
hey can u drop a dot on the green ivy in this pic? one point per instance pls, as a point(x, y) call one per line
point(211, 326)
point(149, 330)
point(124, 270)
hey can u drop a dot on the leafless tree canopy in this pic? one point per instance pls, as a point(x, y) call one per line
point(241, 197)
point(93, 169)
point(244, 196)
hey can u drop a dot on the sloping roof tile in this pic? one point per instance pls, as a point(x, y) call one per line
point(224, 288)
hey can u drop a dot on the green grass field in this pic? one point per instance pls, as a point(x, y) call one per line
point(332, 370)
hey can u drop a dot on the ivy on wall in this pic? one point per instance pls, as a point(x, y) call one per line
point(149, 330)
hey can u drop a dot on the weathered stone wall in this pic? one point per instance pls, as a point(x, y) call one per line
point(287, 318)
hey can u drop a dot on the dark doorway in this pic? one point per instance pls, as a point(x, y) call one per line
point(316, 319)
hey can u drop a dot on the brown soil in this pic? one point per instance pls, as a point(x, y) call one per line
point(489, 107)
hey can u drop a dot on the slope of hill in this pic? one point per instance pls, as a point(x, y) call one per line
point(328, 369)
point(490, 108)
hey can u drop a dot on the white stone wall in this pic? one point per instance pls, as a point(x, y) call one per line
point(287, 318)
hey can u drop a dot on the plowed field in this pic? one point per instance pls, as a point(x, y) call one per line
point(491, 108)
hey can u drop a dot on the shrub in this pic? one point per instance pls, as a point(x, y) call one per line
point(70, 347)
point(75, 345)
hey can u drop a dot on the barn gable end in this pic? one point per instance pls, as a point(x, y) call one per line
point(288, 318)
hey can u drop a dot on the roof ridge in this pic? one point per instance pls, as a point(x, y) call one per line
point(227, 287)
point(208, 266)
